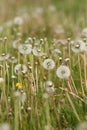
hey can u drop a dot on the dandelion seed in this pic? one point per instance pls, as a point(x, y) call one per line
point(48, 64)
point(63, 72)
point(19, 68)
point(78, 46)
point(25, 49)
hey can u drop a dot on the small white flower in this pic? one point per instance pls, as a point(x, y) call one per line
point(48, 64)
point(63, 72)
point(25, 48)
point(19, 68)
point(18, 21)
point(78, 46)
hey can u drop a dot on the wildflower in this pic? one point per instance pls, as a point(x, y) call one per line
point(19, 85)
point(25, 48)
point(48, 64)
point(18, 21)
point(78, 46)
point(82, 126)
point(19, 68)
point(4, 126)
point(63, 72)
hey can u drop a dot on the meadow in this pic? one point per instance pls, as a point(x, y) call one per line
point(43, 65)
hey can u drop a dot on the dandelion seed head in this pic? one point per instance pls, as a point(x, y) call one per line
point(63, 72)
point(19, 68)
point(37, 51)
point(78, 46)
point(25, 49)
point(48, 64)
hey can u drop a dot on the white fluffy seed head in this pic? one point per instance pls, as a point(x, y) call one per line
point(78, 46)
point(25, 49)
point(19, 68)
point(63, 72)
point(48, 64)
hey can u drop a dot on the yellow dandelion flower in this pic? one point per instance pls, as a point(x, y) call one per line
point(18, 84)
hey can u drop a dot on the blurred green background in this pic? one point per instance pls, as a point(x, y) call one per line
point(70, 8)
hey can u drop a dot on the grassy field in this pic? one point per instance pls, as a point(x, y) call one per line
point(43, 65)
